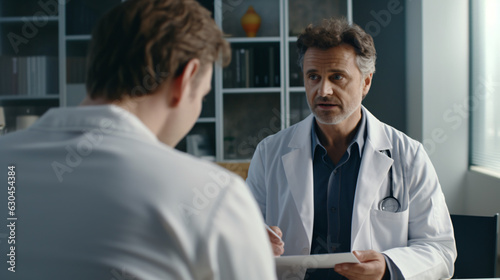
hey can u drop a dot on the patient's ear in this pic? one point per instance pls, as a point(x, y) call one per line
point(184, 83)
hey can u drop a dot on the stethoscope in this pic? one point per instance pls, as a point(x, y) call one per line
point(390, 203)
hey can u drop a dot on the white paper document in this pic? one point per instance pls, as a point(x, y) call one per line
point(316, 261)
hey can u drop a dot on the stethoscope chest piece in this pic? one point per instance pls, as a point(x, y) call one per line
point(390, 204)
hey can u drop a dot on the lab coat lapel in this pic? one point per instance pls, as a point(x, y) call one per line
point(375, 165)
point(299, 173)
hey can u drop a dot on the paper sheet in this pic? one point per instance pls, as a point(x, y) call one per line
point(316, 261)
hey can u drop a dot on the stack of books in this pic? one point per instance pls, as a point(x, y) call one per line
point(29, 75)
point(257, 66)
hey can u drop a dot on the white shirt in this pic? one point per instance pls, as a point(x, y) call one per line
point(99, 197)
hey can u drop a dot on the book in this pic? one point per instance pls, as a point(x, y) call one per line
point(249, 68)
point(34, 76)
point(261, 67)
point(243, 68)
point(272, 81)
point(276, 67)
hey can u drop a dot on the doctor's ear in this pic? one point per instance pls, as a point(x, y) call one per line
point(185, 82)
point(366, 84)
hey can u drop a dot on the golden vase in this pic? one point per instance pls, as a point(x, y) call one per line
point(250, 22)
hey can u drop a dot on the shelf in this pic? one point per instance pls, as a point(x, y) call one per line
point(296, 89)
point(30, 98)
point(292, 39)
point(249, 90)
point(253, 39)
point(44, 101)
point(24, 19)
point(84, 37)
point(206, 120)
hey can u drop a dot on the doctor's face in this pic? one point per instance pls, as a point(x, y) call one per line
point(334, 85)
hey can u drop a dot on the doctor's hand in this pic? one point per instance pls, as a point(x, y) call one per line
point(277, 244)
point(372, 266)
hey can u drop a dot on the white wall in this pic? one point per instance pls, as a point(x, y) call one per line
point(437, 79)
point(437, 38)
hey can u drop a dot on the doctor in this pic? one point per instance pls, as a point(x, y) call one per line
point(342, 181)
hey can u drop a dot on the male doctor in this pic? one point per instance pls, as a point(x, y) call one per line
point(342, 181)
point(99, 192)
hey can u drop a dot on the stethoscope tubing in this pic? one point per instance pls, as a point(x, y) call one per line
point(390, 203)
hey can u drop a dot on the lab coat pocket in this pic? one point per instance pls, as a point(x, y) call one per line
point(388, 229)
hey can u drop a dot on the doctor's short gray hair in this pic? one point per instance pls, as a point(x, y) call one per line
point(334, 32)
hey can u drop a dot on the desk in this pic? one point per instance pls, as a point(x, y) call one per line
point(240, 168)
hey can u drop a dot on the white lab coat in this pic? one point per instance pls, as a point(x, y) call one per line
point(99, 197)
point(419, 239)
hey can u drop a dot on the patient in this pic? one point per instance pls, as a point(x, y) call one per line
point(101, 193)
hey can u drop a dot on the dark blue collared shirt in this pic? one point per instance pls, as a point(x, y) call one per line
point(334, 189)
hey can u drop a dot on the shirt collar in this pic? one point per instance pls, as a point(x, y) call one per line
point(106, 118)
point(359, 138)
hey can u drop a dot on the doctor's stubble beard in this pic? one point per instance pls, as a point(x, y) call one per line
point(345, 112)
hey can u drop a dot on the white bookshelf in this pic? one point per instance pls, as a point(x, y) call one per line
point(245, 113)
point(249, 113)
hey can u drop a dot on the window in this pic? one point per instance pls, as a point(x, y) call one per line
point(484, 102)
